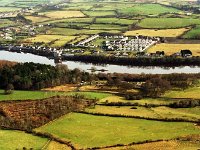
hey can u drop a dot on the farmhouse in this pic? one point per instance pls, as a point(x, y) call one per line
point(186, 53)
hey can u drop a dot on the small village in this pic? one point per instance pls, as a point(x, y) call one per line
point(116, 45)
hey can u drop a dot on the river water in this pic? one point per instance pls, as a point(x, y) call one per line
point(21, 57)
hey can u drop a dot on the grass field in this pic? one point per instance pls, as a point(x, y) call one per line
point(160, 33)
point(68, 20)
point(36, 19)
point(24, 95)
point(170, 49)
point(91, 95)
point(116, 21)
point(148, 9)
point(166, 23)
point(8, 9)
point(79, 6)
point(53, 40)
point(5, 23)
point(57, 146)
point(192, 92)
point(162, 145)
point(63, 14)
point(192, 114)
point(68, 31)
point(158, 101)
point(107, 27)
point(90, 131)
point(12, 140)
point(99, 13)
point(193, 34)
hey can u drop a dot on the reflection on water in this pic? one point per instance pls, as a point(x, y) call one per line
point(21, 57)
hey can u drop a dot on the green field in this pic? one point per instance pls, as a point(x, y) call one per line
point(147, 9)
point(90, 131)
point(193, 33)
point(154, 101)
point(165, 23)
point(116, 21)
point(192, 92)
point(33, 95)
point(12, 140)
point(107, 27)
point(24, 95)
point(20, 3)
point(68, 31)
point(51, 40)
point(91, 95)
point(99, 13)
point(189, 114)
point(5, 23)
point(8, 9)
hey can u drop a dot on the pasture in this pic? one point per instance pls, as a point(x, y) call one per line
point(53, 40)
point(11, 140)
point(192, 92)
point(116, 21)
point(193, 33)
point(56, 146)
point(159, 33)
point(99, 13)
point(91, 95)
point(85, 131)
point(154, 101)
point(68, 31)
point(8, 9)
point(5, 23)
point(155, 112)
point(62, 14)
point(147, 9)
point(170, 49)
point(68, 20)
point(24, 95)
point(167, 23)
point(162, 145)
point(107, 27)
point(37, 19)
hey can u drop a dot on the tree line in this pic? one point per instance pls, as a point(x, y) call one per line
point(168, 61)
point(32, 76)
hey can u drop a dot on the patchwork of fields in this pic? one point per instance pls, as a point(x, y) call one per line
point(113, 120)
point(52, 40)
point(11, 139)
point(100, 131)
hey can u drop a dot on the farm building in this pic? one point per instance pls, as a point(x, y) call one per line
point(186, 53)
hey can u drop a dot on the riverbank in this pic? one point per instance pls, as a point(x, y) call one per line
point(26, 57)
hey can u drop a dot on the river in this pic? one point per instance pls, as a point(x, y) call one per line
point(21, 57)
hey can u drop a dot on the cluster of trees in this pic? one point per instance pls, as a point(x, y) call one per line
point(31, 76)
point(149, 85)
point(136, 61)
point(189, 8)
point(185, 103)
point(155, 87)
